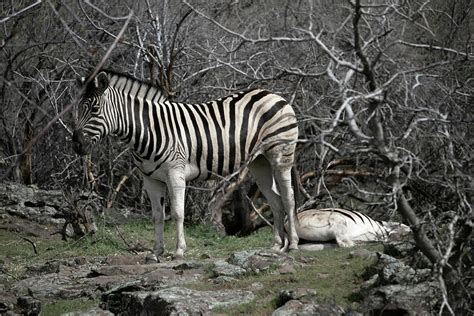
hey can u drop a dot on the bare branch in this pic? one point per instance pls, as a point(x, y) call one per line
point(433, 47)
point(72, 104)
point(5, 19)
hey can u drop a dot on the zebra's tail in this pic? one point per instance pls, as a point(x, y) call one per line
point(295, 182)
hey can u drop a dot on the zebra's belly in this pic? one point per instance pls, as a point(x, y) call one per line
point(162, 172)
point(192, 171)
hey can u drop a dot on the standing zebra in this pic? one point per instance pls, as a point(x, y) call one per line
point(173, 143)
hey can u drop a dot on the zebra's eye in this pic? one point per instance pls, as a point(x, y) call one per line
point(95, 109)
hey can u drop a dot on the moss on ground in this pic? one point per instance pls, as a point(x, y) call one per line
point(65, 306)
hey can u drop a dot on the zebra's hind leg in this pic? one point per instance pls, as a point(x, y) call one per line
point(156, 191)
point(261, 170)
point(283, 180)
point(281, 161)
point(177, 186)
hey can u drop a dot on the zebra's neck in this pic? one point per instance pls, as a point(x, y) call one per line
point(136, 105)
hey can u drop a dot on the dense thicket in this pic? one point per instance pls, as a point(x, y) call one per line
point(383, 91)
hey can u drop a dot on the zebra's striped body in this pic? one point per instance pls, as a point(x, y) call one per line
point(346, 227)
point(173, 143)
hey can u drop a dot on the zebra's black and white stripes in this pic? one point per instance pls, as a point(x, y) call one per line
point(344, 226)
point(174, 142)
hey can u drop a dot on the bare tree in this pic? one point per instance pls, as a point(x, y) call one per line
point(383, 92)
point(396, 83)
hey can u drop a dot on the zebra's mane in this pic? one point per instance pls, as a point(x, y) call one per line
point(125, 75)
point(110, 72)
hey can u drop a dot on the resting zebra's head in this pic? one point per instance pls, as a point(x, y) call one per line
point(96, 118)
point(396, 231)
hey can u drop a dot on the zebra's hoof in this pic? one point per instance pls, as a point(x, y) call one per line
point(276, 247)
point(151, 258)
point(293, 248)
point(178, 256)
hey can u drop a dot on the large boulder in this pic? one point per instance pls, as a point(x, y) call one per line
point(173, 301)
point(30, 202)
point(78, 277)
point(252, 262)
point(403, 299)
point(395, 287)
point(303, 301)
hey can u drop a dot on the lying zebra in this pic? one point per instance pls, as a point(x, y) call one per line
point(346, 227)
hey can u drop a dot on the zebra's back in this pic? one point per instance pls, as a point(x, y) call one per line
point(216, 137)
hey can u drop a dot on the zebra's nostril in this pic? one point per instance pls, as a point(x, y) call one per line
point(80, 145)
point(77, 147)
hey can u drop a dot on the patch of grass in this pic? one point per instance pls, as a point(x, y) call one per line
point(65, 306)
point(204, 240)
point(330, 272)
point(334, 276)
point(17, 254)
point(201, 240)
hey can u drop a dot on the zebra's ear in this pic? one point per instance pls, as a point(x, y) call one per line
point(80, 81)
point(101, 82)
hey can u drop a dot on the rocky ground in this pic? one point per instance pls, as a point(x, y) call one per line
point(127, 285)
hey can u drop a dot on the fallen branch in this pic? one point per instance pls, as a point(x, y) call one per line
point(125, 177)
point(33, 244)
point(259, 214)
point(342, 173)
point(219, 199)
point(135, 249)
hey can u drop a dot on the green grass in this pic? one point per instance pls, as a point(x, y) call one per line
point(201, 240)
point(64, 306)
point(334, 277)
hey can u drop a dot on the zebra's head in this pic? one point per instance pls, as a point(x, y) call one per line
point(94, 119)
point(396, 231)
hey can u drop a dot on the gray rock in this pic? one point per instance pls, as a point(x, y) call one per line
point(122, 270)
point(370, 283)
point(257, 261)
point(189, 265)
point(222, 279)
point(239, 258)
point(302, 301)
point(223, 268)
point(174, 301)
point(362, 253)
point(397, 273)
point(30, 202)
point(301, 294)
point(91, 312)
point(91, 277)
point(416, 299)
point(296, 307)
point(399, 249)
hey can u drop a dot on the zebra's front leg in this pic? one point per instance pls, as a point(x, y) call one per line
point(156, 191)
point(177, 188)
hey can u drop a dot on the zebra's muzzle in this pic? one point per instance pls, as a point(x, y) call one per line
point(79, 143)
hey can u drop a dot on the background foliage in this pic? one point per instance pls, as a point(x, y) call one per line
point(383, 91)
